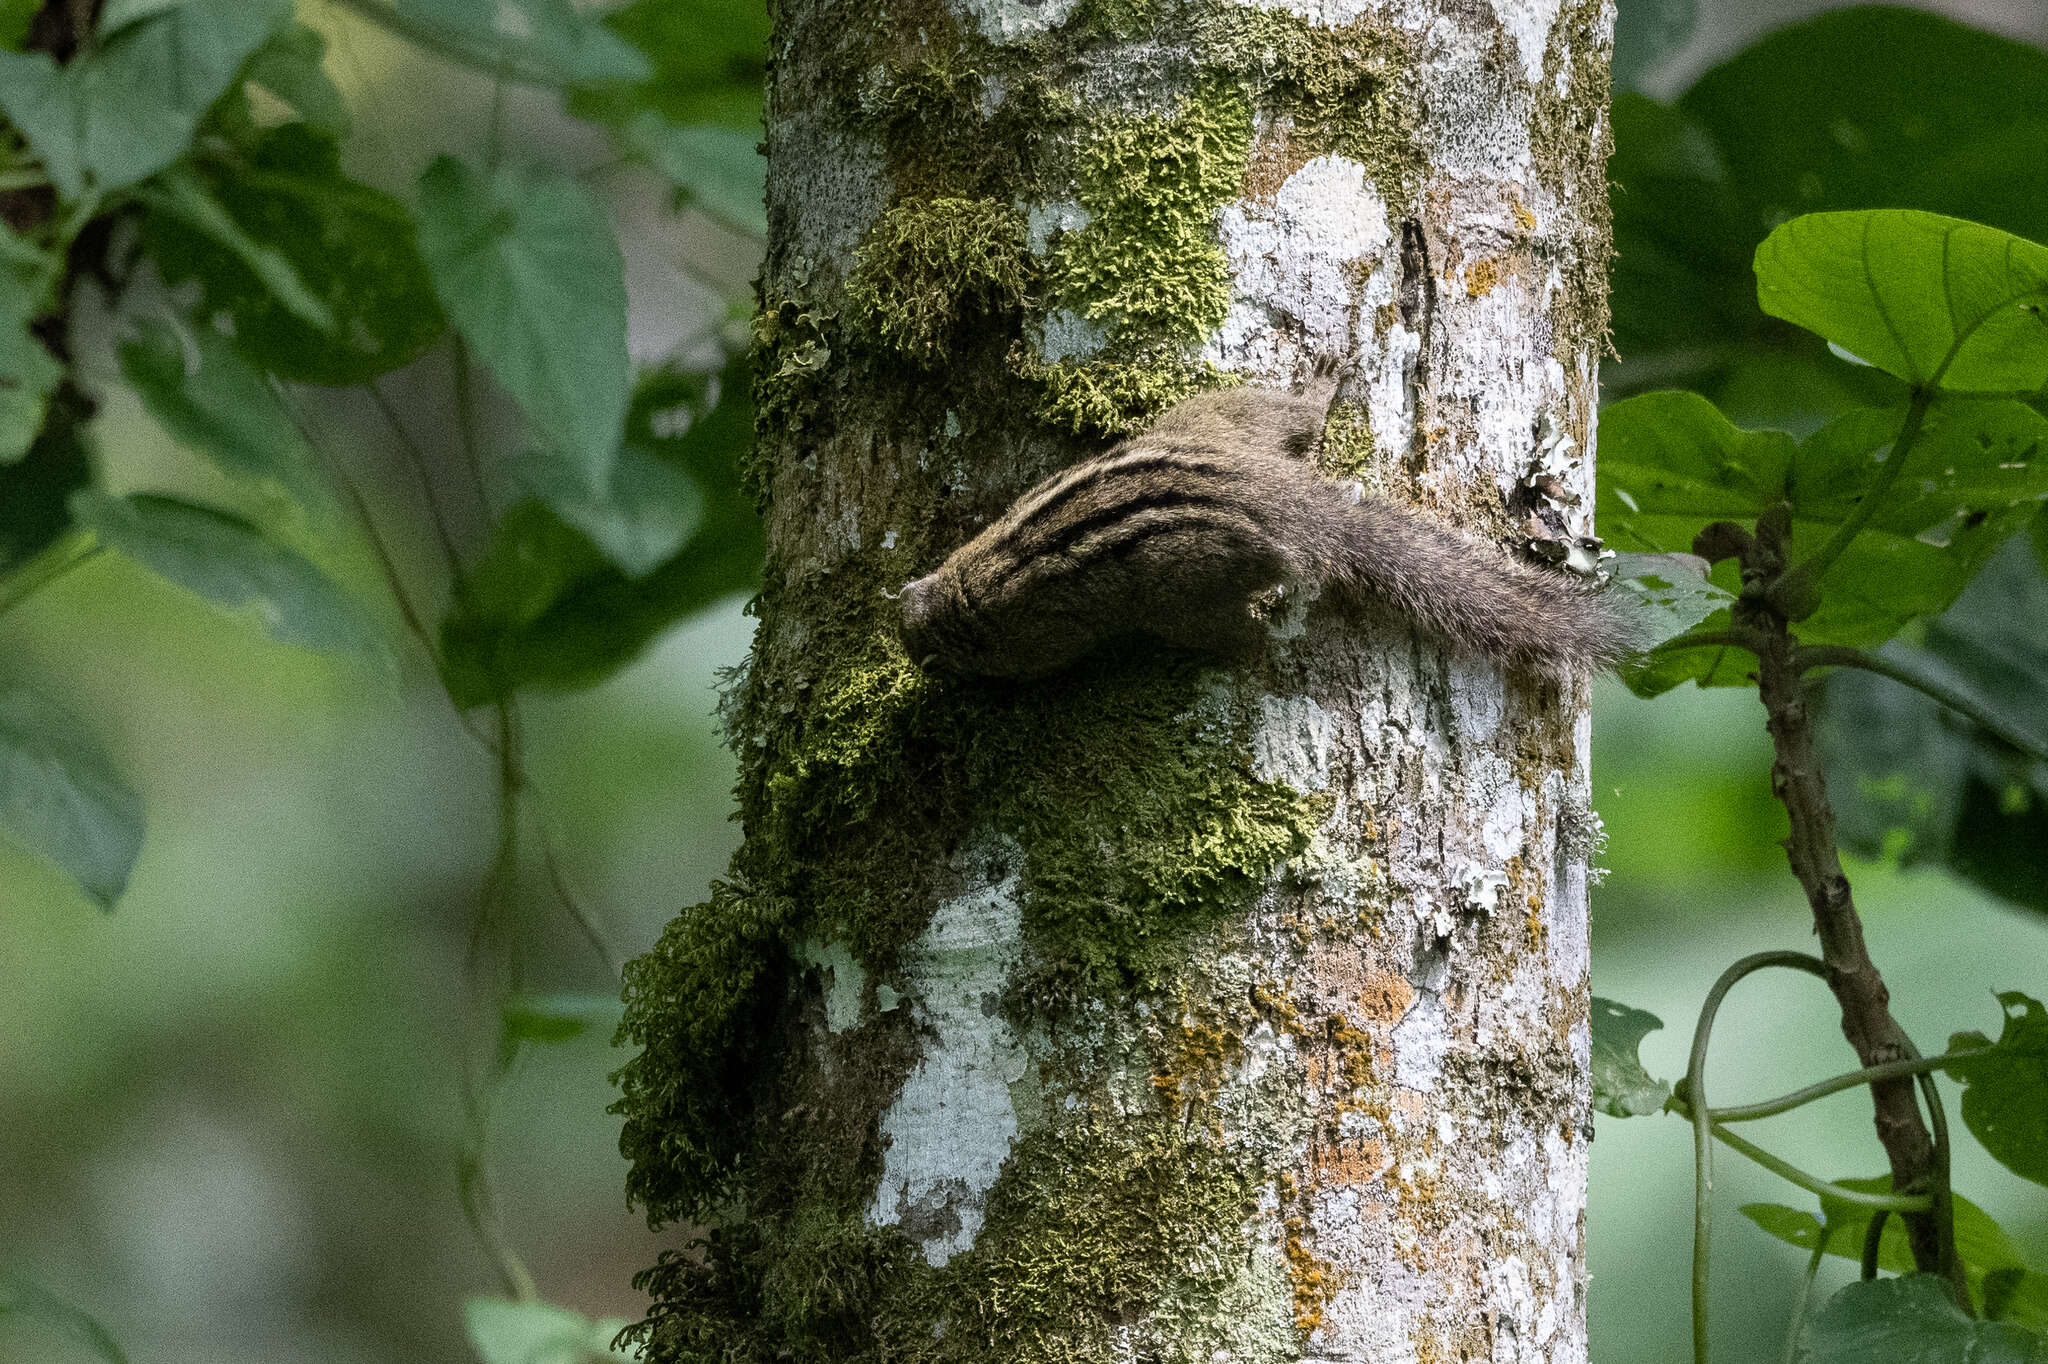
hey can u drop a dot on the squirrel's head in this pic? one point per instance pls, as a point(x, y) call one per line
point(938, 628)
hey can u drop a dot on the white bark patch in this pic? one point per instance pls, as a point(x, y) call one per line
point(1000, 21)
point(952, 1126)
point(1528, 23)
point(1294, 742)
point(1293, 257)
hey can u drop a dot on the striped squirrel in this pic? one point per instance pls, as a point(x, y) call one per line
point(1173, 533)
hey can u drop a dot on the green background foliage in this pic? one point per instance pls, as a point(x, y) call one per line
point(233, 1102)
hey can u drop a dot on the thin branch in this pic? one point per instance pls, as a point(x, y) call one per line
point(1805, 576)
point(577, 910)
point(422, 468)
point(1709, 639)
point(1841, 656)
point(1855, 1079)
point(1805, 1295)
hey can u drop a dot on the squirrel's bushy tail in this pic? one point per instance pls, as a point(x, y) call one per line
point(1472, 594)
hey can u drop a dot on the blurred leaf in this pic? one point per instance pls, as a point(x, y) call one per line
point(1932, 300)
point(1671, 464)
point(1621, 1087)
point(1981, 1243)
point(506, 1332)
point(28, 372)
point(180, 193)
point(61, 796)
point(551, 611)
point(291, 66)
point(22, 1297)
point(121, 113)
point(1647, 34)
point(717, 169)
point(2005, 1101)
point(352, 245)
point(213, 400)
point(649, 511)
point(228, 561)
point(1826, 114)
point(1912, 779)
point(525, 264)
point(557, 1017)
point(709, 60)
point(549, 41)
point(1672, 593)
point(15, 18)
point(35, 494)
point(1912, 1320)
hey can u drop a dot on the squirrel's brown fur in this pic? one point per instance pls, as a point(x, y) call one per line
point(1173, 532)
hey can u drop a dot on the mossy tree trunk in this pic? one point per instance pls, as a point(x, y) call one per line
point(1155, 1011)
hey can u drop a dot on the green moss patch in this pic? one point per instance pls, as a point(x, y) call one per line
point(928, 266)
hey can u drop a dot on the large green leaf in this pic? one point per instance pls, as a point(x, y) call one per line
point(507, 1332)
point(212, 399)
point(1912, 1320)
point(1647, 34)
point(1821, 115)
point(61, 796)
point(1993, 1264)
point(708, 59)
point(1621, 1087)
point(547, 41)
point(125, 111)
point(2006, 1099)
point(548, 608)
point(1861, 108)
point(1930, 299)
point(645, 516)
point(525, 264)
point(715, 168)
point(28, 372)
point(353, 247)
point(35, 494)
point(1671, 464)
point(1912, 779)
point(229, 561)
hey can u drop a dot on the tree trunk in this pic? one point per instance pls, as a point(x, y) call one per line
point(1155, 1010)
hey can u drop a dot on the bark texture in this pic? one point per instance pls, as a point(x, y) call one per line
point(1154, 1011)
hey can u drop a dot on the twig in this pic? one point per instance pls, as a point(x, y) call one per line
point(1799, 584)
point(1841, 656)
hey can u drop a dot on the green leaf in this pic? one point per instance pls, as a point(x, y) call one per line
point(120, 114)
point(15, 18)
point(35, 494)
point(21, 1297)
point(28, 372)
point(353, 246)
point(291, 66)
point(708, 61)
point(557, 1017)
point(2005, 1101)
point(1621, 1087)
point(213, 400)
point(1912, 780)
point(645, 516)
point(549, 41)
point(228, 561)
point(1932, 300)
point(1671, 464)
point(547, 609)
point(1981, 1243)
point(180, 193)
point(719, 170)
point(525, 264)
point(1912, 1320)
point(61, 796)
point(1672, 592)
point(505, 1332)
point(1825, 114)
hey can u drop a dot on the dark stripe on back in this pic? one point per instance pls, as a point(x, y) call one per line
point(1067, 536)
point(1138, 461)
